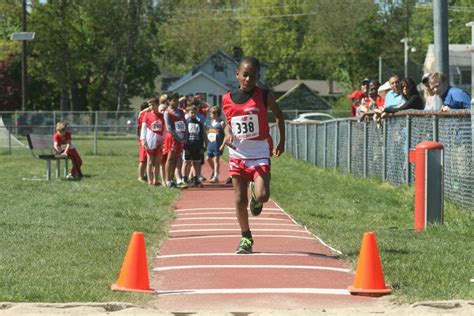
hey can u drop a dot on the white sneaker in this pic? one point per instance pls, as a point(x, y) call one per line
point(70, 177)
point(214, 180)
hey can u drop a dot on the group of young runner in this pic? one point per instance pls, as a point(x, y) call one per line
point(173, 135)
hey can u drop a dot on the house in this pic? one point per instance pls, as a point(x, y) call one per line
point(211, 79)
point(302, 97)
point(328, 90)
point(459, 64)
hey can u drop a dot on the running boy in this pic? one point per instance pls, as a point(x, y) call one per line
point(152, 139)
point(174, 139)
point(141, 150)
point(247, 135)
point(194, 148)
point(62, 143)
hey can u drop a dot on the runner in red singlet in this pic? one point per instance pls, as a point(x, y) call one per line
point(250, 144)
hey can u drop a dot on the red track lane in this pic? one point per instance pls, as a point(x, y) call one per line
point(197, 269)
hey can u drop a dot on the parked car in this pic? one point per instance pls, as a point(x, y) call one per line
point(313, 116)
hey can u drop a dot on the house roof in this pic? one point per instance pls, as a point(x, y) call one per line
point(219, 52)
point(320, 87)
point(302, 97)
point(181, 82)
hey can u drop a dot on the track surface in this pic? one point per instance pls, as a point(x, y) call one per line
point(197, 269)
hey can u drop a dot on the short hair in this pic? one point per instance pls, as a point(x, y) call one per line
point(252, 61)
point(215, 108)
point(61, 126)
point(144, 105)
point(438, 77)
point(191, 107)
point(154, 100)
point(163, 98)
point(173, 95)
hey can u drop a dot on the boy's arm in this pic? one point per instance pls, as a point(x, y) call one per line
point(280, 148)
point(228, 138)
point(170, 129)
point(56, 147)
point(143, 134)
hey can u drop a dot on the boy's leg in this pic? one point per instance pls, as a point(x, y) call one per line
point(241, 200)
point(210, 161)
point(170, 165)
point(149, 168)
point(260, 192)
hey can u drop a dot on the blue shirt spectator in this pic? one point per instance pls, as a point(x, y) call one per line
point(457, 98)
point(394, 97)
point(453, 98)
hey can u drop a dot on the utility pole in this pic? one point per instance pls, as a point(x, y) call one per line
point(471, 24)
point(24, 65)
point(441, 40)
point(405, 50)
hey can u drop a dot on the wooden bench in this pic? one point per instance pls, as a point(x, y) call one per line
point(41, 147)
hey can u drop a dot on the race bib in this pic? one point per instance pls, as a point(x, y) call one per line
point(180, 126)
point(211, 137)
point(245, 126)
point(157, 126)
point(193, 128)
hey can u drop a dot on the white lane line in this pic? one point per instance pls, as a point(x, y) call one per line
point(239, 236)
point(233, 224)
point(238, 230)
point(231, 254)
point(221, 208)
point(319, 239)
point(225, 213)
point(232, 218)
point(257, 291)
point(251, 266)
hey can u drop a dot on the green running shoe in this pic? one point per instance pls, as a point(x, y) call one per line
point(245, 246)
point(254, 206)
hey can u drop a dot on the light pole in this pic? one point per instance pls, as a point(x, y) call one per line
point(405, 50)
point(471, 24)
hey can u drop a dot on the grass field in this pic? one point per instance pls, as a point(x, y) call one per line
point(64, 241)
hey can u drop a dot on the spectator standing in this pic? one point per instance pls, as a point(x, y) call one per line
point(373, 100)
point(453, 98)
point(62, 143)
point(394, 97)
point(432, 101)
point(249, 141)
point(355, 98)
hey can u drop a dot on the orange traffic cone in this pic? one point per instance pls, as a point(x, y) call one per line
point(134, 273)
point(369, 279)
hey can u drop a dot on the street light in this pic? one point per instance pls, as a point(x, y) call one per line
point(405, 50)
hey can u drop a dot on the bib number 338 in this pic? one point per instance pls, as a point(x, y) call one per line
point(245, 126)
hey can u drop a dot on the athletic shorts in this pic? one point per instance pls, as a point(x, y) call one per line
point(141, 153)
point(172, 145)
point(213, 149)
point(249, 169)
point(154, 152)
point(192, 154)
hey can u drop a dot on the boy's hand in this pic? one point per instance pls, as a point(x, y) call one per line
point(228, 139)
point(279, 150)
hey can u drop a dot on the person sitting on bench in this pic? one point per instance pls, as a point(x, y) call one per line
point(63, 145)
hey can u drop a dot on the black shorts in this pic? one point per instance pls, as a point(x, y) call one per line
point(192, 153)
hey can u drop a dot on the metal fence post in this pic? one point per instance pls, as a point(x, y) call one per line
point(336, 144)
point(315, 159)
point(366, 135)
point(95, 132)
point(384, 150)
point(407, 149)
point(296, 151)
point(325, 146)
point(349, 146)
point(306, 142)
point(9, 141)
point(435, 128)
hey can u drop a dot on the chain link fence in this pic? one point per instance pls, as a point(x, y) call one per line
point(364, 150)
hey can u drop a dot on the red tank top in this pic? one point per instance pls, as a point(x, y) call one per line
point(248, 120)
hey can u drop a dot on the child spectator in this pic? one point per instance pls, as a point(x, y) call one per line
point(215, 136)
point(62, 143)
point(194, 147)
point(249, 141)
point(141, 149)
point(355, 98)
point(174, 139)
point(152, 140)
